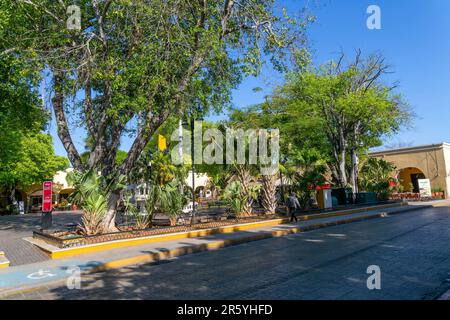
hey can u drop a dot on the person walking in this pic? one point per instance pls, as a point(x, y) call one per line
point(293, 205)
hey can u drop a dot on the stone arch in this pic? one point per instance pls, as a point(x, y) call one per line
point(429, 159)
point(408, 178)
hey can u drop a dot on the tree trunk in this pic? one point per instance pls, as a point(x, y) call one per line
point(355, 160)
point(269, 199)
point(61, 124)
point(342, 170)
point(108, 223)
point(342, 157)
point(354, 173)
point(244, 177)
point(12, 198)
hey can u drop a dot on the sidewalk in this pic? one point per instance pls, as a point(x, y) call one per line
point(445, 296)
point(29, 277)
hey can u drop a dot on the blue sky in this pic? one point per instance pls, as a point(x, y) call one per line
point(415, 40)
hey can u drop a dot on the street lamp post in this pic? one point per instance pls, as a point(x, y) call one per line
point(194, 210)
point(192, 128)
point(196, 111)
point(149, 172)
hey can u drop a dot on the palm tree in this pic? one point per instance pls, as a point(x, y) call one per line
point(91, 194)
point(217, 183)
point(245, 175)
point(238, 199)
point(268, 193)
point(165, 199)
point(306, 170)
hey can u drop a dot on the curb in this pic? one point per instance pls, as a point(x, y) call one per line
point(4, 262)
point(445, 296)
point(160, 256)
point(57, 253)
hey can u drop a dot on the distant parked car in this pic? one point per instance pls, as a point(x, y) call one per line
point(189, 208)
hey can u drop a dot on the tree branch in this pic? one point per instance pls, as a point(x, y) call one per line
point(63, 130)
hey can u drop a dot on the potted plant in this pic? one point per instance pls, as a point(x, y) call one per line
point(434, 192)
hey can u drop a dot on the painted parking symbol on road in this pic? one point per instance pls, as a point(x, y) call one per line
point(41, 274)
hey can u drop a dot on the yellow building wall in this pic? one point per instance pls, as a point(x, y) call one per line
point(404, 177)
point(432, 162)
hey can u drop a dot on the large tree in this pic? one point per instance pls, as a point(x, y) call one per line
point(354, 106)
point(340, 110)
point(147, 60)
point(26, 153)
point(31, 161)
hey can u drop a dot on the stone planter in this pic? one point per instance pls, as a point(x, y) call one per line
point(69, 239)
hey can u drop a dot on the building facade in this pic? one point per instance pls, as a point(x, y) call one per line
point(421, 162)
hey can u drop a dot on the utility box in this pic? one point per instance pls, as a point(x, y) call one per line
point(324, 200)
point(366, 198)
point(344, 196)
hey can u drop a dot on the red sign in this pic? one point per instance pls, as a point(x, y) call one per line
point(47, 196)
point(323, 187)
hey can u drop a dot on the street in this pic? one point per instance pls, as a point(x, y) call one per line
point(411, 249)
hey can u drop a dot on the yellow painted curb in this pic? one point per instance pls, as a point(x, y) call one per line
point(70, 252)
point(4, 262)
point(443, 203)
point(157, 256)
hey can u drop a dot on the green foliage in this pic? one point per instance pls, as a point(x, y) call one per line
point(166, 199)
point(120, 156)
point(151, 56)
point(29, 160)
point(233, 194)
point(217, 180)
point(238, 198)
point(165, 193)
point(92, 198)
point(306, 169)
point(376, 175)
point(333, 109)
point(148, 60)
point(438, 189)
point(162, 169)
point(91, 194)
point(26, 153)
point(141, 220)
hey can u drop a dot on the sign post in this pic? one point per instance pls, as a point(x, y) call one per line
point(47, 205)
point(424, 188)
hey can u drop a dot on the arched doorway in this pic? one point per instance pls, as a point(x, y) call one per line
point(408, 178)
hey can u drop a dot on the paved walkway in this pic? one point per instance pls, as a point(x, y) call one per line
point(56, 270)
point(14, 228)
point(411, 249)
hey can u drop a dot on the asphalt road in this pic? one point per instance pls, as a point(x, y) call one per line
point(412, 251)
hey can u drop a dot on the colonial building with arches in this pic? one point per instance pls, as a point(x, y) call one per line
point(421, 162)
